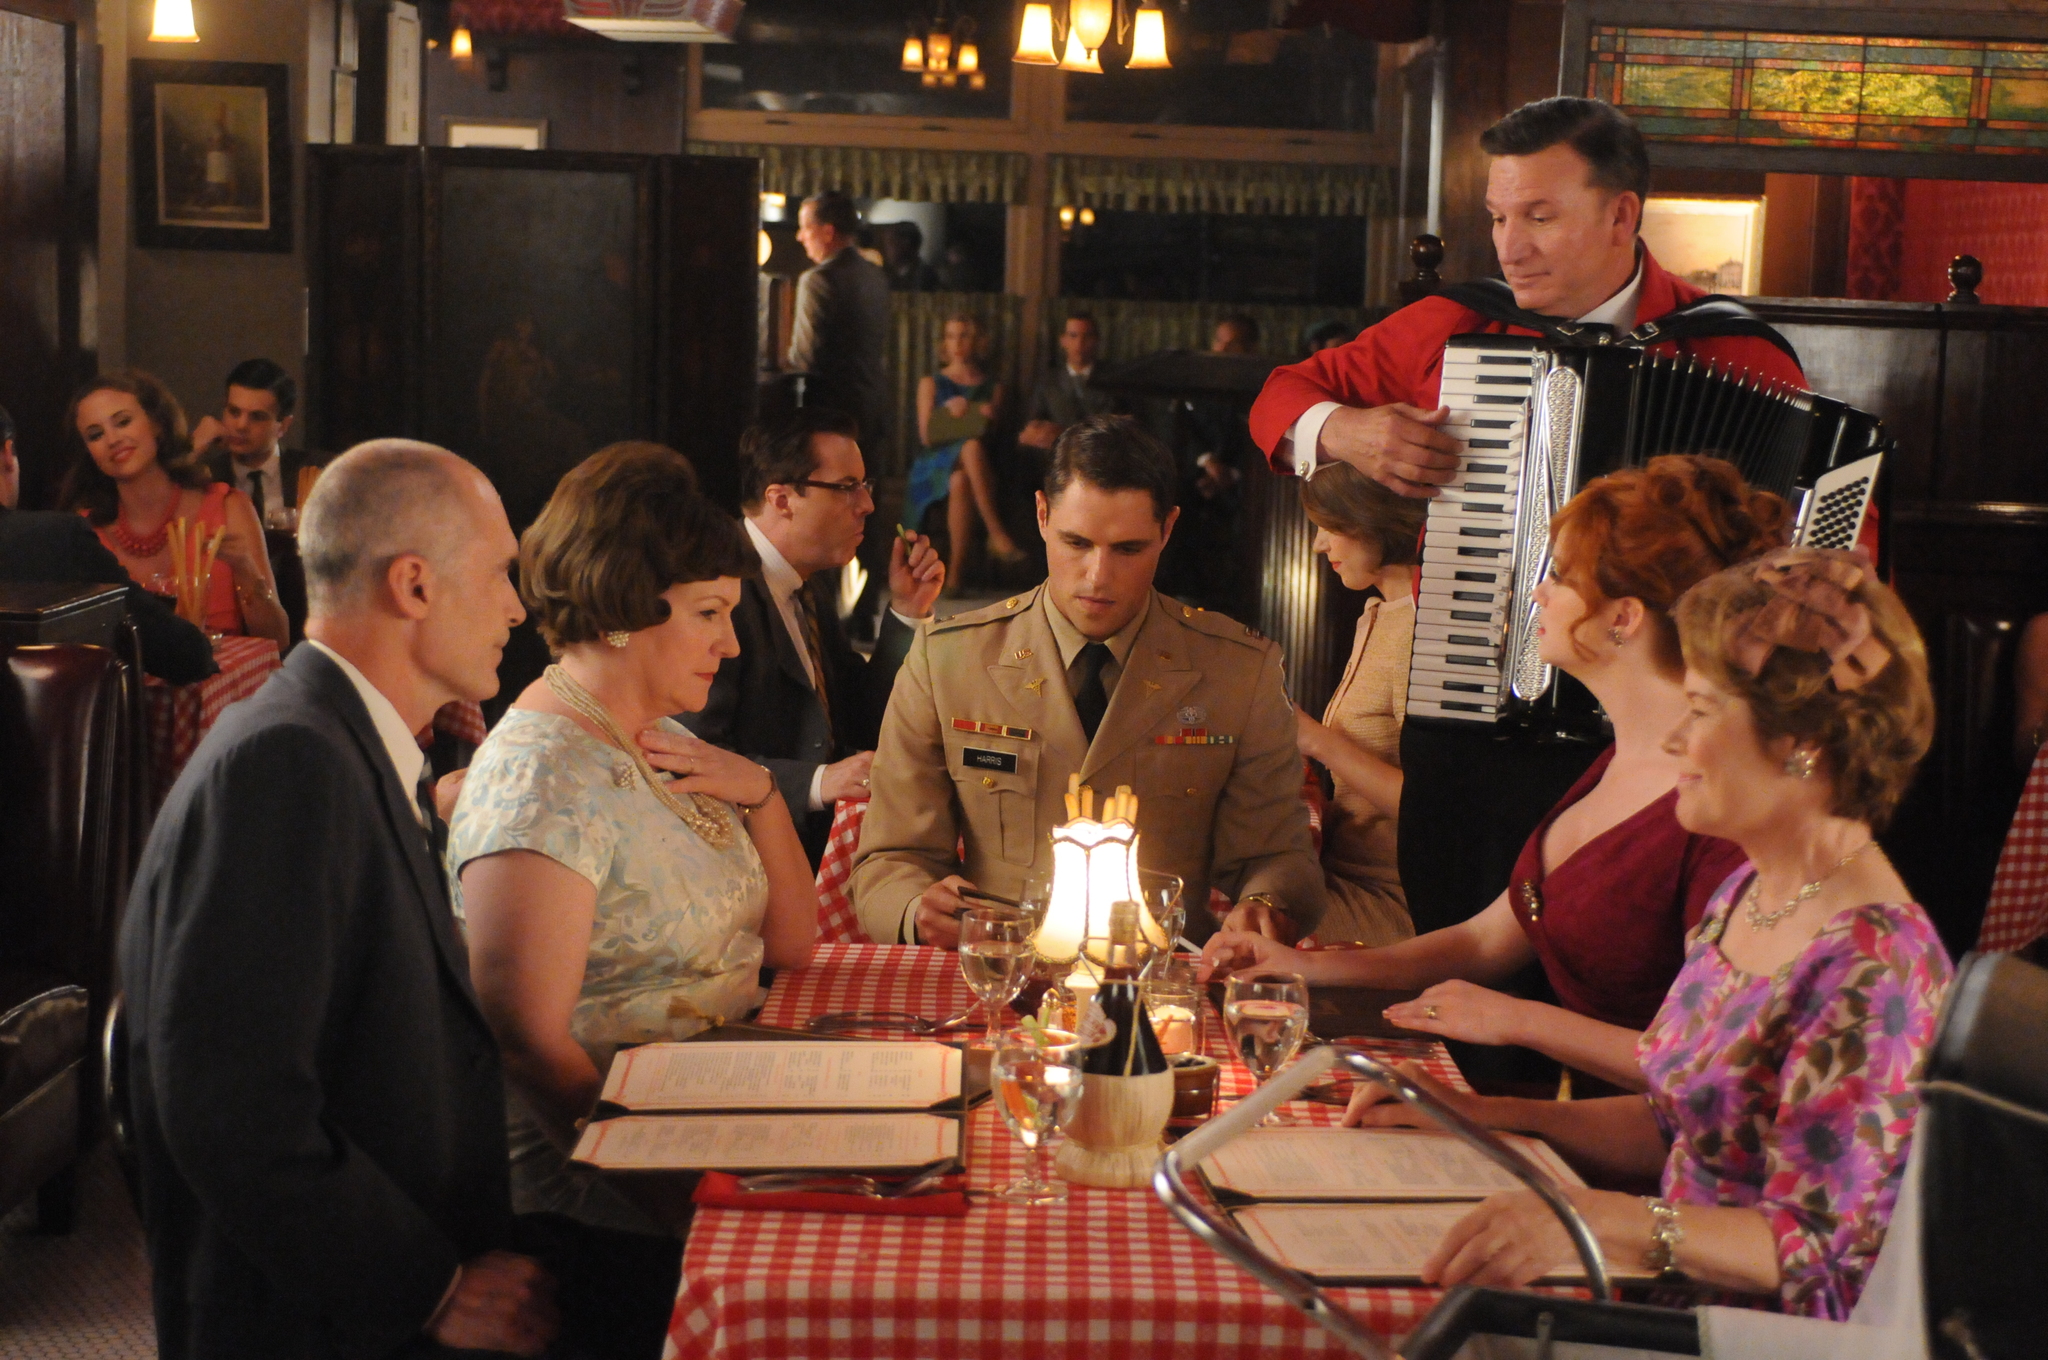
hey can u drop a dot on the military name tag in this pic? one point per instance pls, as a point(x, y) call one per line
point(975, 758)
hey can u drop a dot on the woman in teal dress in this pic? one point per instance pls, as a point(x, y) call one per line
point(955, 408)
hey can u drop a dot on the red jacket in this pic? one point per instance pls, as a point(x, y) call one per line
point(1401, 359)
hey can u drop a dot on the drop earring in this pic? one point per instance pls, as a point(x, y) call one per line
point(1801, 764)
point(618, 637)
point(1616, 636)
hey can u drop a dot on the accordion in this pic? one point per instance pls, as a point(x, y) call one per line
point(1539, 421)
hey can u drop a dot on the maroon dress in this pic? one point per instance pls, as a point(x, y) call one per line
point(1609, 923)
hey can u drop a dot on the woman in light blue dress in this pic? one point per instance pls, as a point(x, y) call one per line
point(605, 904)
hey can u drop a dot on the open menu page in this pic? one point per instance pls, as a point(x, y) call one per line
point(789, 1076)
point(1369, 1243)
point(1367, 1164)
point(771, 1142)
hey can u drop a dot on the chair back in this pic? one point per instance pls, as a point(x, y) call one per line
point(1985, 1164)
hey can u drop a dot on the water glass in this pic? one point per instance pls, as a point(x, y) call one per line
point(1036, 1086)
point(1266, 1013)
point(1175, 1002)
point(995, 958)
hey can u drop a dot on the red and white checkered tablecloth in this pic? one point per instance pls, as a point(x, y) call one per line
point(2017, 913)
point(179, 715)
point(837, 923)
point(1105, 1273)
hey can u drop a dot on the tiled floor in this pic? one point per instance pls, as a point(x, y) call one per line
point(82, 1296)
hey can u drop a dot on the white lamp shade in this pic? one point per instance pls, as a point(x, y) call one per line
point(460, 45)
point(172, 22)
point(938, 51)
point(1078, 58)
point(913, 53)
point(1090, 21)
point(967, 59)
point(1148, 41)
point(1094, 866)
point(1034, 37)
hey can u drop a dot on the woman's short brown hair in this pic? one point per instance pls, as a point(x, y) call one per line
point(85, 487)
point(1871, 737)
point(1651, 533)
point(623, 526)
point(1345, 501)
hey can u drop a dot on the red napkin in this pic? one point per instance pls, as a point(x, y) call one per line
point(721, 1190)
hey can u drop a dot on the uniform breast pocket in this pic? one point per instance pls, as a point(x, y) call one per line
point(998, 783)
point(1190, 777)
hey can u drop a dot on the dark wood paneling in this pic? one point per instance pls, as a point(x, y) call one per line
point(48, 187)
point(363, 267)
point(1997, 372)
point(1302, 605)
point(1476, 97)
point(706, 382)
point(1880, 357)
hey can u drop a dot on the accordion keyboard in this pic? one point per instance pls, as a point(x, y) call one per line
point(1466, 577)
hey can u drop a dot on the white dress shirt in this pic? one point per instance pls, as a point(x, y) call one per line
point(1301, 446)
point(407, 759)
point(272, 470)
point(783, 583)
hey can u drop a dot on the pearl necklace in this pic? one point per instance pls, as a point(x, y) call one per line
point(1760, 919)
point(703, 814)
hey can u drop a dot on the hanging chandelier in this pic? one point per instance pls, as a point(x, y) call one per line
point(1070, 34)
point(942, 52)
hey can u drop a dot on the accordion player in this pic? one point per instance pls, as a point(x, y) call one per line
point(1539, 421)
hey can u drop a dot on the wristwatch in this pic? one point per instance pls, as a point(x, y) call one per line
point(1666, 1232)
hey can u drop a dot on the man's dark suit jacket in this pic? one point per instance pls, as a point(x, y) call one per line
point(841, 339)
point(1065, 400)
point(762, 704)
point(48, 545)
point(318, 1107)
point(221, 464)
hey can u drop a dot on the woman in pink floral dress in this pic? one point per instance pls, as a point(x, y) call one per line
point(1781, 1065)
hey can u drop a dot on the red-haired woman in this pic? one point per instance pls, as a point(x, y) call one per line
point(133, 473)
point(1609, 882)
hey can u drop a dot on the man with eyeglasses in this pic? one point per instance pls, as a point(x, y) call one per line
point(798, 698)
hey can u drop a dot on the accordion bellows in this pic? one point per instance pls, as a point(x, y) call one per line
point(1539, 422)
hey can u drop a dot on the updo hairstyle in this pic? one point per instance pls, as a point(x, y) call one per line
point(1870, 737)
point(1651, 533)
point(623, 526)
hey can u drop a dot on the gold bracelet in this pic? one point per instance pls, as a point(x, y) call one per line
point(1666, 1232)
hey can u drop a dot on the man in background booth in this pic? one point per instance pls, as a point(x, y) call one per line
point(244, 445)
point(1066, 393)
point(1565, 192)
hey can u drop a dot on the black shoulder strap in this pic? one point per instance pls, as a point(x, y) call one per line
point(1712, 316)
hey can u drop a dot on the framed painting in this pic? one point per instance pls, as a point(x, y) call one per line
point(212, 155)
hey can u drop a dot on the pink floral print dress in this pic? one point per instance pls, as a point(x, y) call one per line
point(1793, 1093)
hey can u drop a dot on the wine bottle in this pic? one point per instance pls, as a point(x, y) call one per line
point(1133, 1048)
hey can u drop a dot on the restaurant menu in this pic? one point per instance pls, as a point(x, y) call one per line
point(1369, 1243)
point(867, 1142)
point(1367, 1164)
point(836, 1075)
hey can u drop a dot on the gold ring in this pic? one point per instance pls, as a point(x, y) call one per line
point(1429, 1012)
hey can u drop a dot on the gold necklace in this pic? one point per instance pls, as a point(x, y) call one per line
point(1767, 920)
point(703, 814)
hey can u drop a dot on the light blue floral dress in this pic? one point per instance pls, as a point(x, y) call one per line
point(675, 944)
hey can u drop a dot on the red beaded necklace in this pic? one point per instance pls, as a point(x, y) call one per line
point(143, 545)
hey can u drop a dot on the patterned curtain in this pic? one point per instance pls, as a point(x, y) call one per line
point(1877, 236)
point(1130, 329)
point(1183, 186)
point(878, 172)
point(916, 321)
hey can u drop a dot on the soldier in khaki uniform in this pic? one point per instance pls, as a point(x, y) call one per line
point(1094, 672)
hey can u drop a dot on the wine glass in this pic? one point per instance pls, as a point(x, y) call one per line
point(1036, 1084)
point(995, 958)
point(1162, 895)
point(1266, 1012)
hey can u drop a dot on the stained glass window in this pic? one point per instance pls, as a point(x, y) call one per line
point(1825, 90)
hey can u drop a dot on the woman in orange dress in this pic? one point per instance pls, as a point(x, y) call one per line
point(133, 473)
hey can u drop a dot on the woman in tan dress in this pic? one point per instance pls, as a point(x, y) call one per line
point(1372, 538)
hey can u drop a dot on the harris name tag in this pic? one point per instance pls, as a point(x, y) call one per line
point(977, 758)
